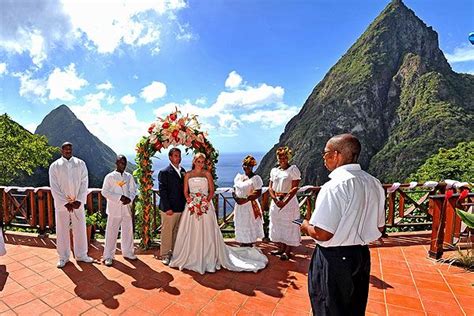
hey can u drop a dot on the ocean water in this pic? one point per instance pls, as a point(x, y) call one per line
point(228, 165)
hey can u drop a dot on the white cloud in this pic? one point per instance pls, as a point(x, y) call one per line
point(32, 88)
point(461, 54)
point(61, 84)
point(104, 86)
point(110, 99)
point(250, 97)
point(3, 69)
point(233, 81)
point(120, 130)
point(33, 27)
point(40, 26)
point(201, 101)
point(271, 118)
point(184, 33)
point(155, 90)
point(108, 24)
point(128, 99)
point(261, 104)
point(31, 127)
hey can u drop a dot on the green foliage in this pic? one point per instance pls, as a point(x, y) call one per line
point(466, 217)
point(96, 219)
point(456, 163)
point(20, 151)
point(433, 114)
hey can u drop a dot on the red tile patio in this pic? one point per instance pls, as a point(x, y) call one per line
point(403, 281)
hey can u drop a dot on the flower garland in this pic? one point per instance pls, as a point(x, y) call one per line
point(173, 130)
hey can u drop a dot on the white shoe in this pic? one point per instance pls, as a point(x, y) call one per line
point(132, 257)
point(85, 259)
point(108, 262)
point(61, 263)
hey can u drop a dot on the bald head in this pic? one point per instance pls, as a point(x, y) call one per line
point(348, 145)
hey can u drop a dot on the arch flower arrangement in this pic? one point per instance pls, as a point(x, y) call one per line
point(173, 130)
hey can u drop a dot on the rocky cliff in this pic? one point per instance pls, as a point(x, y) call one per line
point(394, 90)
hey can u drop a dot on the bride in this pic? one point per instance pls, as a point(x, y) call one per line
point(199, 244)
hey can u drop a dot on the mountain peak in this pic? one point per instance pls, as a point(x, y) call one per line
point(392, 88)
point(62, 125)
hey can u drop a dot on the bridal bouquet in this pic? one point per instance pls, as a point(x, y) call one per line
point(199, 204)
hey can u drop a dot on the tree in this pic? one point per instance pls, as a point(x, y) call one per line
point(21, 152)
point(455, 164)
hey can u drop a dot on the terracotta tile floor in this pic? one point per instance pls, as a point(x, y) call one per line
point(403, 281)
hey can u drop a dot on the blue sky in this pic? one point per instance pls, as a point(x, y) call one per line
point(245, 67)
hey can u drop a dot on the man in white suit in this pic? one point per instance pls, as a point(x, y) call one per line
point(68, 180)
point(119, 189)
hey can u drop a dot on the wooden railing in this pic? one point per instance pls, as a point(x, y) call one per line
point(407, 208)
point(446, 230)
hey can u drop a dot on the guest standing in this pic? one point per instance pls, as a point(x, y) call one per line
point(68, 180)
point(349, 214)
point(172, 201)
point(284, 208)
point(247, 211)
point(120, 190)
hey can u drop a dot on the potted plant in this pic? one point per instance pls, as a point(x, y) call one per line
point(94, 220)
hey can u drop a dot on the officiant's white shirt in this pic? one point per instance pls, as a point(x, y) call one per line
point(68, 180)
point(112, 191)
point(351, 206)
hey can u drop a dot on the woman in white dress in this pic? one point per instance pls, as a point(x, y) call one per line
point(199, 244)
point(247, 212)
point(284, 208)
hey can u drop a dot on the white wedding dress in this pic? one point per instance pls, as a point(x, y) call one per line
point(200, 246)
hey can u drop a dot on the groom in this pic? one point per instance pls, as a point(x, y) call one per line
point(172, 202)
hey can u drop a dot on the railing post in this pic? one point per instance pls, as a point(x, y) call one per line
point(51, 219)
point(437, 232)
point(4, 207)
point(41, 212)
point(33, 213)
point(401, 203)
point(450, 220)
point(391, 208)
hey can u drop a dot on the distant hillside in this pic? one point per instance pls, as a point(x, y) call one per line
point(62, 125)
point(456, 164)
point(394, 90)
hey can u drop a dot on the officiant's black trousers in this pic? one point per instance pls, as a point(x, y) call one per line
point(339, 280)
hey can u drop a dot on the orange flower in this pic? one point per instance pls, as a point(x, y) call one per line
point(121, 183)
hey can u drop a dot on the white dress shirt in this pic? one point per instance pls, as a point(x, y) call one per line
point(115, 185)
point(178, 170)
point(68, 180)
point(351, 206)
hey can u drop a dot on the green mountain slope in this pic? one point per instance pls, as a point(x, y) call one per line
point(394, 90)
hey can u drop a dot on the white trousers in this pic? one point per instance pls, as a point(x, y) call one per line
point(63, 246)
point(111, 234)
point(3, 250)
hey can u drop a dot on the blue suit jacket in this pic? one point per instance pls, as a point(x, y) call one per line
point(171, 187)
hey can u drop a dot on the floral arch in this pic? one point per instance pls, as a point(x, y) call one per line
point(173, 130)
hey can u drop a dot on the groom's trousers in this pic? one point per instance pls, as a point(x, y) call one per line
point(339, 280)
point(169, 231)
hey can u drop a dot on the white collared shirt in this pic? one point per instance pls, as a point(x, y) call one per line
point(178, 170)
point(351, 206)
point(69, 181)
point(115, 185)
